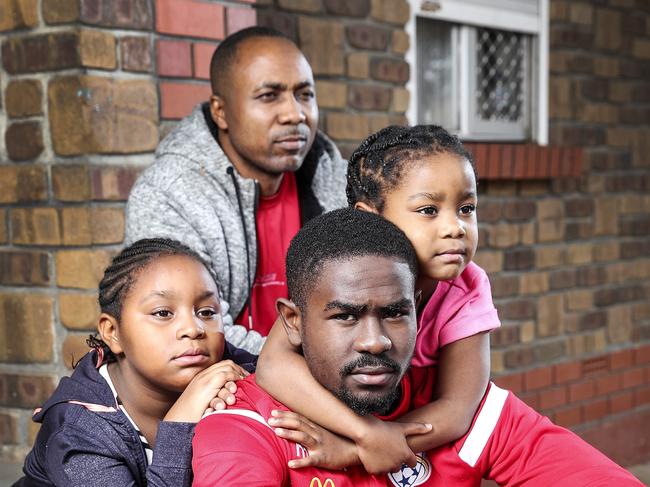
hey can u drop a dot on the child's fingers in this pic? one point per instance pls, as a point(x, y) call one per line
point(217, 404)
point(416, 428)
point(227, 396)
point(303, 462)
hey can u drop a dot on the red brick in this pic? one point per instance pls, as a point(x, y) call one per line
point(622, 359)
point(567, 372)
point(568, 417)
point(190, 18)
point(202, 52)
point(596, 409)
point(642, 396)
point(239, 18)
point(551, 398)
point(136, 53)
point(621, 402)
point(582, 390)
point(633, 378)
point(530, 398)
point(607, 384)
point(512, 382)
point(595, 365)
point(538, 378)
point(174, 59)
point(642, 355)
point(178, 99)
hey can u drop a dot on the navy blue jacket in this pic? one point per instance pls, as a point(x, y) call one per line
point(80, 445)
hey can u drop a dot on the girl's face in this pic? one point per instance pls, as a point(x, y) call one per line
point(435, 206)
point(171, 325)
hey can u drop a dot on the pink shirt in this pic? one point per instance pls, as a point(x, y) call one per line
point(457, 309)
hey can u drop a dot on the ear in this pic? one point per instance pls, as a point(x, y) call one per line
point(360, 205)
point(109, 331)
point(291, 320)
point(218, 111)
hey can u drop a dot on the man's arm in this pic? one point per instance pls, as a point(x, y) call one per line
point(237, 448)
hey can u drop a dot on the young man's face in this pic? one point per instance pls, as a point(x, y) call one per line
point(269, 115)
point(358, 330)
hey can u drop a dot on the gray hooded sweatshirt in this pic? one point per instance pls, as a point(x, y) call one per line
point(192, 193)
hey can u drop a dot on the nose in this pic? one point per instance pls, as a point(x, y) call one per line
point(292, 112)
point(451, 226)
point(372, 337)
point(190, 327)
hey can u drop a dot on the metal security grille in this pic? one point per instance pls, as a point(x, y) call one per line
point(501, 76)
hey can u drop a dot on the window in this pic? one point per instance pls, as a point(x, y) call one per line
point(481, 67)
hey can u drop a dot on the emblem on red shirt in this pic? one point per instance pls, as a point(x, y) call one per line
point(316, 482)
point(410, 476)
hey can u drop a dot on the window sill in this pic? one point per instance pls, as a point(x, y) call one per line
point(525, 161)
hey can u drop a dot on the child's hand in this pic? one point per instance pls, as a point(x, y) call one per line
point(326, 450)
point(225, 398)
point(205, 387)
point(382, 448)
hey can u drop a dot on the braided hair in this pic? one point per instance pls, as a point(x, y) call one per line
point(120, 276)
point(377, 165)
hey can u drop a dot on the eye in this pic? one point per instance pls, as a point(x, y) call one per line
point(162, 313)
point(428, 210)
point(467, 209)
point(396, 313)
point(267, 96)
point(306, 95)
point(347, 317)
point(207, 313)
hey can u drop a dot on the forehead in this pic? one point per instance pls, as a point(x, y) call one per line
point(442, 170)
point(172, 272)
point(261, 57)
point(369, 279)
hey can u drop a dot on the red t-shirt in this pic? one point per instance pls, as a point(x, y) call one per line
point(277, 222)
point(508, 442)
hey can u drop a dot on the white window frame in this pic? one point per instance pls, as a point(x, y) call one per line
point(474, 13)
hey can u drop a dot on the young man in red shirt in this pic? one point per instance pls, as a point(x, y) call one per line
point(351, 277)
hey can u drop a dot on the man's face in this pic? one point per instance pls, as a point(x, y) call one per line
point(358, 330)
point(268, 117)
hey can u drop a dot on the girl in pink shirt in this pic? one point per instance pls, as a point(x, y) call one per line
point(423, 180)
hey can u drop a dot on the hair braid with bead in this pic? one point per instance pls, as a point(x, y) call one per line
point(122, 273)
point(378, 164)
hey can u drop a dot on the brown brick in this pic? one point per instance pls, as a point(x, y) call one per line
point(490, 261)
point(621, 294)
point(641, 49)
point(550, 315)
point(619, 324)
point(35, 226)
point(563, 279)
point(504, 285)
point(591, 321)
point(347, 126)
point(60, 11)
point(18, 14)
point(605, 216)
point(24, 140)
point(71, 182)
point(579, 253)
point(497, 361)
point(607, 67)
point(362, 36)
point(562, 103)
point(391, 11)
point(135, 14)
point(76, 226)
point(549, 350)
point(135, 52)
point(534, 282)
point(581, 13)
point(25, 391)
point(369, 97)
point(32, 431)
point(504, 235)
point(579, 300)
point(23, 183)
point(122, 115)
point(3, 226)
point(80, 269)
point(331, 94)
point(518, 259)
point(112, 183)
point(517, 211)
point(74, 348)
point(519, 357)
point(390, 70)
point(591, 276)
point(24, 268)
point(37, 53)
point(78, 311)
point(401, 97)
point(345, 8)
point(24, 98)
point(568, 36)
point(546, 257)
point(314, 34)
point(280, 21)
point(358, 65)
point(309, 6)
point(490, 211)
point(517, 309)
point(9, 429)
point(107, 225)
point(504, 336)
point(400, 42)
point(97, 49)
point(26, 325)
point(608, 30)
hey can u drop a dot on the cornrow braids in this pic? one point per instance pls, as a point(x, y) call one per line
point(122, 273)
point(376, 166)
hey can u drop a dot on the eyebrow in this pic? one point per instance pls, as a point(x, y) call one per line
point(398, 305)
point(438, 196)
point(171, 295)
point(362, 308)
point(283, 86)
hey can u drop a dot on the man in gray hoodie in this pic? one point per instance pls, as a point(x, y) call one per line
point(237, 178)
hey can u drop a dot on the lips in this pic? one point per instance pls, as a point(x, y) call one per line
point(192, 356)
point(373, 376)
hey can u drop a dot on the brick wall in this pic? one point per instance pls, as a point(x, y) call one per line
point(88, 87)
